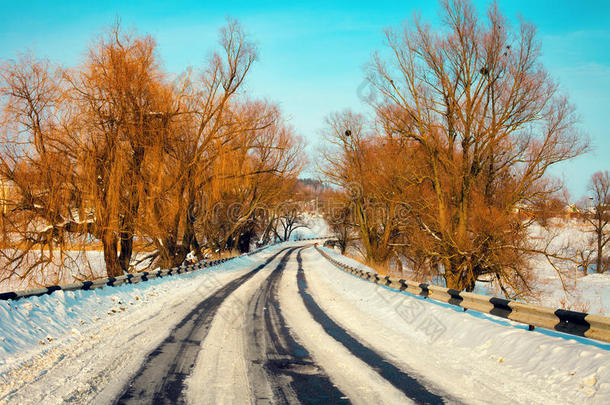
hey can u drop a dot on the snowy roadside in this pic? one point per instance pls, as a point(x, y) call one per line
point(80, 345)
point(474, 356)
point(347, 260)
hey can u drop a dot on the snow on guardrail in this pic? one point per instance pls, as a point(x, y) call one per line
point(562, 320)
point(131, 278)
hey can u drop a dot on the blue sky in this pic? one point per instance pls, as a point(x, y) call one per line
point(311, 54)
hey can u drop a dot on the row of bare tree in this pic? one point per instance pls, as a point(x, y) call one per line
point(120, 152)
point(466, 124)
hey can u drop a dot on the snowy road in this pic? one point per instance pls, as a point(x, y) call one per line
point(286, 326)
point(161, 377)
point(279, 369)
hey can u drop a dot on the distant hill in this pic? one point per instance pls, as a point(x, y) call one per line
point(314, 185)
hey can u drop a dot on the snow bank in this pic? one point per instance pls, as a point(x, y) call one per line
point(347, 260)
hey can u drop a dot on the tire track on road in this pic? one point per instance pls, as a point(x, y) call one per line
point(160, 380)
point(410, 386)
point(280, 369)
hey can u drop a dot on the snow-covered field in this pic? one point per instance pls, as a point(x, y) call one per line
point(75, 266)
point(570, 287)
point(585, 293)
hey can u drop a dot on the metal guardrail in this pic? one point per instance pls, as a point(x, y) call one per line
point(562, 320)
point(131, 278)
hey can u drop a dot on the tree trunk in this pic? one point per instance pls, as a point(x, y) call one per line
point(109, 241)
point(244, 241)
point(131, 211)
point(454, 280)
point(599, 261)
point(189, 239)
point(458, 278)
point(126, 244)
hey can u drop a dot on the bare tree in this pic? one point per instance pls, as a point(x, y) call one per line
point(489, 121)
point(121, 95)
point(289, 219)
point(479, 122)
point(43, 214)
point(207, 124)
point(355, 161)
point(599, 216)
point(270, 159)
point(338, 215)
